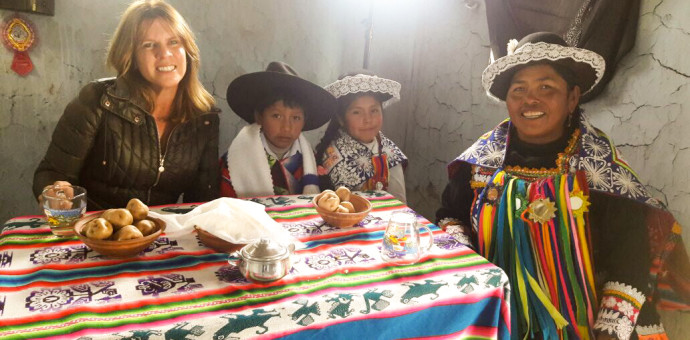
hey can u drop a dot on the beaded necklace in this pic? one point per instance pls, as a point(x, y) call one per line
point(530, 174)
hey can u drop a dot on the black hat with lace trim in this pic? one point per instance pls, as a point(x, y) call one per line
point(246, 91)
point(542, 47)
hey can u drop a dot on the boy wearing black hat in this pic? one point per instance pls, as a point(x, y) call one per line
point(270, 156)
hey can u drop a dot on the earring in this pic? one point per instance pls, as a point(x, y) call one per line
point(569, 123)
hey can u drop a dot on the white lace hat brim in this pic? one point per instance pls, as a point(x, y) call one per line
point(587, 66)
point(362, 83)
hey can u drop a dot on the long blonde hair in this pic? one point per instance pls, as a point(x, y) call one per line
point(192, 98)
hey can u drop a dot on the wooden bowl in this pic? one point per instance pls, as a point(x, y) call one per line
point(343, 220)
point(121, 249)
point(216, 243)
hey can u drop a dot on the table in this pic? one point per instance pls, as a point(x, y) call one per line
point(178, 289)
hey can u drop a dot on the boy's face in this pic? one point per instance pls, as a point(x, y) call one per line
point(281, 124)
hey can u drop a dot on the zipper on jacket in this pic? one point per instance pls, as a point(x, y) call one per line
point(161, 160)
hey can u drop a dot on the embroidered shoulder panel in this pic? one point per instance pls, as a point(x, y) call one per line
point(348, 162)
point(595, 155)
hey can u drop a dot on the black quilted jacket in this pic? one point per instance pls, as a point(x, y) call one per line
point(106, 142)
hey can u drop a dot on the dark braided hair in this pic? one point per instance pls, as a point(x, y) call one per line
point(343, 103)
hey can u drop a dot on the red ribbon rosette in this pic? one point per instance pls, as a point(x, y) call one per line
point(18, 35)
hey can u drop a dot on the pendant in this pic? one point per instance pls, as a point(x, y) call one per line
point(542, 210)
point(579, 202)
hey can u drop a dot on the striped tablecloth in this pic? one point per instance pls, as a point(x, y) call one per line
point(178, 289)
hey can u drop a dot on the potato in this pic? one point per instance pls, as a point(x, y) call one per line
point(318, 197)
point(343, 193)
point(147, 227)
point(127, 232)
point(118, 217)
point(98, 229)
point(348, 206)
point(329, 201)
point(138, 209)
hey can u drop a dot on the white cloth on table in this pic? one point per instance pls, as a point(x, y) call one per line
point(234, 220)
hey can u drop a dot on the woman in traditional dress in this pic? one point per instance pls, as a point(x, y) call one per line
point(150, 133)
point(270, 156)
point(353, 151)
point(547, 197)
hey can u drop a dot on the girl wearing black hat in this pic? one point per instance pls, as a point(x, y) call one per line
point(546, 196)
point(353, 151)
point(270, 156)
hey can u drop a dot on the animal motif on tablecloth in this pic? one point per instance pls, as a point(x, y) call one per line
point(445, 241)
point(270, 202)
point(351, 256)
point(494, 277)
point(167, 282)
point(163, 245)
point(467, 283)
point(5, 259)
point(73, 254)
point(369, 219)
point(56, 298)
point(304, 313)
point(377, 298)
point(340, 306)
point(416, 290)
point(338, 257)
point(179, 210)
point(230, 274)
point(33, 222)
point(238, 323)
point(2, 304)
point(302, 229)
point(375, 193)
point(306, 197)
point(179, 332)
point(138, 335)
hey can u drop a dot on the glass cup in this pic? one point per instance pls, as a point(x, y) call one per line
point(401, 241)
point(63, 206)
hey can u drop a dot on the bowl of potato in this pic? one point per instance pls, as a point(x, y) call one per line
point(124, 232)
point(341, 208)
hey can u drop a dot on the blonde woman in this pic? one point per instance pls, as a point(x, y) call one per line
point(152, 131)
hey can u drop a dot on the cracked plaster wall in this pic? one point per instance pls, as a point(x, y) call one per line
point(436, 50)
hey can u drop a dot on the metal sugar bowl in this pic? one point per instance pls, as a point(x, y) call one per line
point(264, 260)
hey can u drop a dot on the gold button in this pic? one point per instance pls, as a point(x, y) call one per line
point(137, 119)
point(207, 122)
point(107, 103)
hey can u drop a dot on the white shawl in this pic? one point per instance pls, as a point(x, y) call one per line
point(249, 170)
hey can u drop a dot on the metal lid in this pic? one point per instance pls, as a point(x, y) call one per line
point(264, 250)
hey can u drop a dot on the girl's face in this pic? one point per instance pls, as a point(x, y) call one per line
point(363, 118)
point(281, 124)
point(160, 55)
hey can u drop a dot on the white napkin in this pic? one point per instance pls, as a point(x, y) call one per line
point(234, 220)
